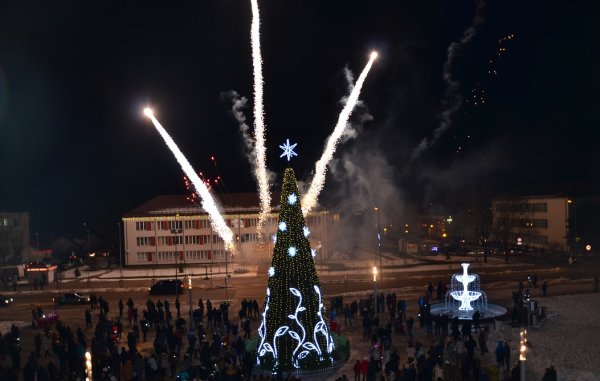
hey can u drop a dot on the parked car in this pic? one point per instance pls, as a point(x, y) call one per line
point(167, 287)
point(71, 298)
point(5, 300)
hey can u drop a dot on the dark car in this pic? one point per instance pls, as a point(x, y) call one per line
point(5, 300)
point(166, 287)
point(71, 298)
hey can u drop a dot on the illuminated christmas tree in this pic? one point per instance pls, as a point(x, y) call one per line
point(294, 333)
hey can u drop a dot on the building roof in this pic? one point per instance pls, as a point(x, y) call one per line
point(182, 204)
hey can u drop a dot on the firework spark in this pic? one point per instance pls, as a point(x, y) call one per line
point(208, 203)
point(259, 122)
point(310, 198)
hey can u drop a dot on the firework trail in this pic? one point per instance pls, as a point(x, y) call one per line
point(208, 203)
point(452, 100)
point(360, 114)
point(259, 122)
point(310, 198)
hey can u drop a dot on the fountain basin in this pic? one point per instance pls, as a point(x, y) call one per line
point(492, 311)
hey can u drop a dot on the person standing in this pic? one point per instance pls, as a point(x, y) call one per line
point(507, 355)
point(88, 319)
point(121, 306)
point(545, 288)
point(357, 370)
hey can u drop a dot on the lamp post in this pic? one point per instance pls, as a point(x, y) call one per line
point(375, 289)
point(175, 232)
point(191, 329)
point(523, 353)
point(379, 244)
point(88, 237)
point(226, 277)
point(120, 256)
point(88, 366)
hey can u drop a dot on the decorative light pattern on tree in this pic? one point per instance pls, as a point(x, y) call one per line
point(292, 199)
point(306, 231)
point(292, 251)
point(271, 271)
point(313, 252)
point(282, 226)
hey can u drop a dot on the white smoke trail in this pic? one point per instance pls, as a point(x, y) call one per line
point(207, 201)
point(452, 100)
point(259, 122)
point(360, 115)
point(309, 200)
point(238, 104)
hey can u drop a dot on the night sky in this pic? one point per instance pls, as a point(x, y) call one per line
point(74, 77)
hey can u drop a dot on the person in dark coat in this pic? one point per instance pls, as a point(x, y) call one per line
point(545, 288)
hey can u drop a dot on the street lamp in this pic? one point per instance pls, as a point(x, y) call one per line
point(88, 366)
point(88, 237)
point(120, 256)
point(191, 329)
point(175, 232)
point(523, 352)
point(379, 244)
point(375, 288)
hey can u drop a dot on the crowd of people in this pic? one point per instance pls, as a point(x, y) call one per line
point(212, 347)
point(159, 343)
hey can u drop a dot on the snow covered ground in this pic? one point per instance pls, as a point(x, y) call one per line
point(569, 339)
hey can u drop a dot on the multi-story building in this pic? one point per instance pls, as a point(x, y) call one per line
point(14, 238)
point(536, 221)
point(172, 230)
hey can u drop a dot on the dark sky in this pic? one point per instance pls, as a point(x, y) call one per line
point(75, 75)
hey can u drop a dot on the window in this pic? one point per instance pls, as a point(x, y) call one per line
point(176, 225)
point(142, 257)
point(170, 240)
point(167, 256)
point(192, 240)
point(145, 241)
point(249, 237)
point(197, 255)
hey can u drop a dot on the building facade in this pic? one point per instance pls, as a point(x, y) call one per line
point(14, 238)
point(173, 231)
point(534, 221)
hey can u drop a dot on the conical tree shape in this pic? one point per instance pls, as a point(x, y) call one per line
point(294, 333)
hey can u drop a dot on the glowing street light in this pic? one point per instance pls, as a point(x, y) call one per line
point(88, 366)
point(374, 290)
point(148, 112)
point(523, 352)
point(379, 242)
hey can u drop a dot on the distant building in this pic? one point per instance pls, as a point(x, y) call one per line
point(172, 230)
point(14, 238)
point(534, 221)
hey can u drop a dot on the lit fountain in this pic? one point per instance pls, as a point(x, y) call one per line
point(465, 297)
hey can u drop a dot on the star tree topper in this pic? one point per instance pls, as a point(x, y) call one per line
point(288, 150)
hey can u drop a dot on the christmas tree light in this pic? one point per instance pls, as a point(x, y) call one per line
point(294, 333)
